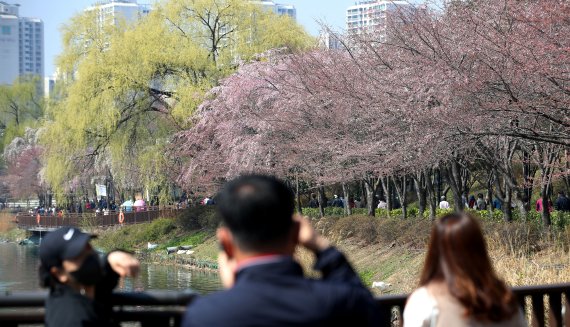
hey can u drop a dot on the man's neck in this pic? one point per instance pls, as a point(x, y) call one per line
point(260, 259)
point(249, 256)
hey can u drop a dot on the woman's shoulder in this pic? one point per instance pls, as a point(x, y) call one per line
point(420, 309)
point(420, 295)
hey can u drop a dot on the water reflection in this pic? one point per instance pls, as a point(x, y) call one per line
point(163, 277)
point(18, 267)
point(19, 264)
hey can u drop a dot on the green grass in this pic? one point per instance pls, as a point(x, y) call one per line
point(134, 237)
point(366, 276)
point(13, 235)
point(192, 239)
point(164, 232)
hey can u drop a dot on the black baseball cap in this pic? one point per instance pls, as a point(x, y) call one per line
point(62, 244)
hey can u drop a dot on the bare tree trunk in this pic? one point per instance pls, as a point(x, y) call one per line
point(370, 199)
point(363, 192)
point(346, 192)
point(548, 155)
point(372, 186)
point(528, 176)
point(432, 193)
point(321, 200)
point(546, 221)
point(455, 182)
point(400, 185)
point(567, 176)
point(507, 208)
point(419, 181)
point(388, 191)
point(298, 195)
point(490, 205)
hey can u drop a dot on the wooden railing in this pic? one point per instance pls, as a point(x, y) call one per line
point(92, 219)
point(152, 308)
point(532, 299)
point(163, 308)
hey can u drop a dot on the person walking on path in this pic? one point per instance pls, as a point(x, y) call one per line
point(443, 204)
point(562, 203)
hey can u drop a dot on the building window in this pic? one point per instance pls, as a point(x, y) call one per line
point(6, 30)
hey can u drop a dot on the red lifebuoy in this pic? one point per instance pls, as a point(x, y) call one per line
point(38, 217)
point(121, 217)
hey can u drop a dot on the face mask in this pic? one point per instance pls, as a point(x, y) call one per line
point(90, 271)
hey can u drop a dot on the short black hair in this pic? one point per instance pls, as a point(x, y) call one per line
point(258, 210)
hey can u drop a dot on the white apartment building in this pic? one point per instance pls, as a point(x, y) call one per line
point(368, 16)
point(21, 44)
point(112, 11)
point(31, 46)
point(330, 41)
point(279, 9)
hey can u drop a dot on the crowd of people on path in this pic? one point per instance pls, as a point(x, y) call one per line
point(101, 206)
point(265, 286)
point(342, 202)
point(479, 203)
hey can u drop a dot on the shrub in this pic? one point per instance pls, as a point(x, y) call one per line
point(131, 236)
point(200, 217)
point(157, 228)
point(413, 212)
point(362, 228)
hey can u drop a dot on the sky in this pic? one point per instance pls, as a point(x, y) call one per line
point(57, 12)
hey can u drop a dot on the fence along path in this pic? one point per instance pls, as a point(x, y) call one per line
point(547, 305)
point(544, 303)
point(36, 222)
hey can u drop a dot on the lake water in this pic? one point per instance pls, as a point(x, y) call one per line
point(19, 265)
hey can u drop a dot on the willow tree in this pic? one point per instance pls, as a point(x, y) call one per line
point(21, 106)
point(131, 87)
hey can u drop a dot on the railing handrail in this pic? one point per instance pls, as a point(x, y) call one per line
point(48, 222)
point(23, 299)
point(177, 300)
point(93, 211)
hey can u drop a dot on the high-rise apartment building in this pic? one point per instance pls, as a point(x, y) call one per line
point(112, 11)
point(31, 46)
point(368, 16)
point(330, 41)
point(279, 9)
point(21, 44)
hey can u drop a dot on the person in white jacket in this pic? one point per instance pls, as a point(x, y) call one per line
point(443, 204)
point(458, 285)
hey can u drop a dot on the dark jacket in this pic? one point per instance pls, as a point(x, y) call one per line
point(277, 294)
point(562, 204)
point(65, 307)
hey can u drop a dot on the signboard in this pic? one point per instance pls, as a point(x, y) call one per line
point(101, 190)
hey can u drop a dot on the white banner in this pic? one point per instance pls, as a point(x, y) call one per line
point(101, 190)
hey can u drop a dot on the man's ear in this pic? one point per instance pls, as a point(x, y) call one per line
point(59, 274)
point(226, 241)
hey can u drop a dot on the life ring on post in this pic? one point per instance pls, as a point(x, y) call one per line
point(121, 217)
point(38, 218)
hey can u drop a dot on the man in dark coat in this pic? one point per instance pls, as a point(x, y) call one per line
point(265, 286)
point(562, 203)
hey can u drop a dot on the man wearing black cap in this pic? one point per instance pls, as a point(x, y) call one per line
point(80, 283)
point(265, 285)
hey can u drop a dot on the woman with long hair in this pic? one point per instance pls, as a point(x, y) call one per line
point(458, 285)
